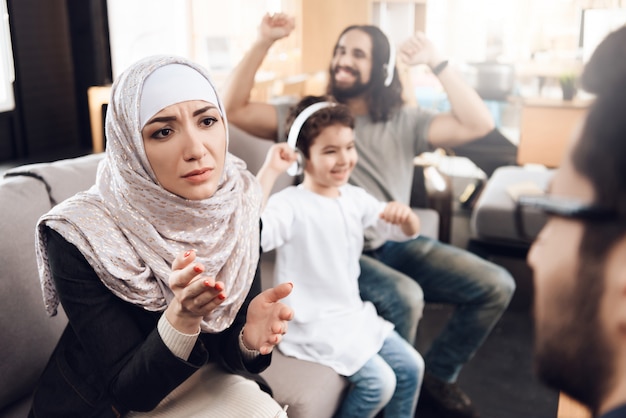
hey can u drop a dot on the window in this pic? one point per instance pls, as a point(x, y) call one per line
point(214, 33)
point(7, 71)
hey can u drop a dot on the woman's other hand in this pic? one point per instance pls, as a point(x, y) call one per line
point(195, 294)
point(267, 319)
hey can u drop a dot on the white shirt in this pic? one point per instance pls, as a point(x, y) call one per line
point(318, 242)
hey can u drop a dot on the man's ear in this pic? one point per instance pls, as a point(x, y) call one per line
point(614, 296)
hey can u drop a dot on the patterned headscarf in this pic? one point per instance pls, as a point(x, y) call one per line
point(130, 229)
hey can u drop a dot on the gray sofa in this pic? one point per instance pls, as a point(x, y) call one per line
point(29, 336)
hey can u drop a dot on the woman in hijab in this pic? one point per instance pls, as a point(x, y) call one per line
point(156, 266)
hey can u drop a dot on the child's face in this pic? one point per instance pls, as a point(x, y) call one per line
point(332, 157)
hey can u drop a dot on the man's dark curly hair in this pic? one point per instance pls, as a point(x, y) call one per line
point(323, 118)
point(381, 100)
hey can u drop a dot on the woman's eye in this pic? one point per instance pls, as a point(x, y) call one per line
point(209, 121)
point(162, 133)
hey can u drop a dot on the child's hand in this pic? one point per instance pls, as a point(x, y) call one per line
point(400, 214)
point(279, 158)
point(396, 213)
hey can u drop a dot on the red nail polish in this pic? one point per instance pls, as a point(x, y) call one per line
point(219, 287)
point(187, 253)
point(198, 268)
point(221, 296)
point(207, 283)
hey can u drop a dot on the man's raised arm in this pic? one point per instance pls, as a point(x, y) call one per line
point(256, 118)
point(469, 117)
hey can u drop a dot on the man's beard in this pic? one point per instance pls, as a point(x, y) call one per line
point(573, 354)
point(344, 93)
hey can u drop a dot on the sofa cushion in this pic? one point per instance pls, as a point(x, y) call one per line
point(29, 335)
point(493, 217)
point(310, 389)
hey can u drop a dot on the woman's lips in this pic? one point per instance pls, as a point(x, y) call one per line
point(198, 176)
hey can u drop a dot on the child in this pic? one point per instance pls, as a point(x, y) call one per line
point(317, 229)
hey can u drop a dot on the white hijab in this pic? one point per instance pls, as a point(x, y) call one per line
point(130, 229)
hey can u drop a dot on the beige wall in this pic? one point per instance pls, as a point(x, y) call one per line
point(322, 21)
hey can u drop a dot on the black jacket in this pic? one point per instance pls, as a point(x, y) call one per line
point(110, 358)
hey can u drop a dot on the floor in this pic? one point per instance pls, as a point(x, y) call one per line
point(499, 378)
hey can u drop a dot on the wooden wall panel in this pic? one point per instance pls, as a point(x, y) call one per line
point(322, 22)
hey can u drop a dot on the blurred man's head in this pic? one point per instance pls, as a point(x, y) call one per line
point(579, 259)
point(358, 70)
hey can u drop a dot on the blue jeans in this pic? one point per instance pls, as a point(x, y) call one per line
point(391, 380)
point(394, 276)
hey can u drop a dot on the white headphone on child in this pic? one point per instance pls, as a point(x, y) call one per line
point(390, 66)
point(298, 167)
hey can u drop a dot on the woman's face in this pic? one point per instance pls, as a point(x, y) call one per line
point(186, 146)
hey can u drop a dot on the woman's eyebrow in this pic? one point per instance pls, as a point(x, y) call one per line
point(172, 118)
point(204, 109)
point(161, 119)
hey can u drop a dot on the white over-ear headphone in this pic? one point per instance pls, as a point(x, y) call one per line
point(297, 167)
point(392, 62)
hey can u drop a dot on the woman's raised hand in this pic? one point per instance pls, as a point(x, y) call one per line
point(195, 294)
point(267, 319)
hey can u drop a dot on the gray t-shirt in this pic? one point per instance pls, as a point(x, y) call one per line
point(386, 152)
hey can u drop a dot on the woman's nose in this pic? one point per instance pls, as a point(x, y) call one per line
point(194, 147)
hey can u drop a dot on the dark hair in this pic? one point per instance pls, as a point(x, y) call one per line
point(600, 153)
point(607, 65)
point(381, 100)
point(315, 124)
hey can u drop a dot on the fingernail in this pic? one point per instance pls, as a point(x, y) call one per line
point(198, 268)
point(221, 296)
point(187, 253)
point(291, 283)
point(219, 287)
point(207, 283)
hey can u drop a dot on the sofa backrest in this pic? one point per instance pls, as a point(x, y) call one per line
point(28, 334)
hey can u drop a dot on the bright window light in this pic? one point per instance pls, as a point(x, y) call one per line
point(7, 71)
